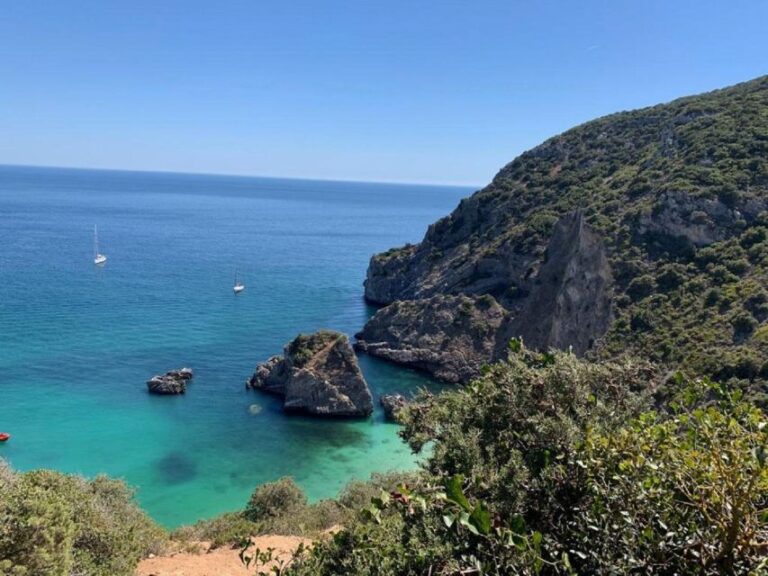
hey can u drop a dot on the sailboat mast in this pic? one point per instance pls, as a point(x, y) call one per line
point(95, 241)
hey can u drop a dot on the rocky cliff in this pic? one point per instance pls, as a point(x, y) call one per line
point(642, 230)
point(448, 336)
point(318, 374)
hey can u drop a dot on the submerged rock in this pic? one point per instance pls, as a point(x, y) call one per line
point(170, 383)
point(318, 374)
point(451, 337)
point(392, 404)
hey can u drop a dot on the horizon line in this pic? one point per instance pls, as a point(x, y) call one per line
point(236, 175)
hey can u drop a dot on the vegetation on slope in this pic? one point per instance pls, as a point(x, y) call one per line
point(281, 507)
point(53, 524)
point(551, 465)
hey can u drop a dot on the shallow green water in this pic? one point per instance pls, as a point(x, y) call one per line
point(77, 342)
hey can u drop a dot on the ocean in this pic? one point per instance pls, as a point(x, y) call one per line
point(78, 342)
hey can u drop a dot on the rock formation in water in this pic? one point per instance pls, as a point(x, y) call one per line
point(170, 383)
point(643, 231)
point(392, 404)
point(317, 374)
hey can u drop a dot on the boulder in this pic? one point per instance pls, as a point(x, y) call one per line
point(170, 383)
point(684, 221)
point(392, 404)
point(317, 374)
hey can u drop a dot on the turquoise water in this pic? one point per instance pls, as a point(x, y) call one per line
point(77, 342)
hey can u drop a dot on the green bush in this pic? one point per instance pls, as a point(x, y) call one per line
point(52, 523)
point(641, 287)
point(679, 493)
point(275, 499)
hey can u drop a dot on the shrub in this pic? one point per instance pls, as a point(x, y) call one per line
point(52, 523)
point(275, 499)
point(683, 494)
point(743, 325)
point(713, 296)
point(358, 494)
point(670, 278)
point(738, 266)
point(753, 236)
point(226, 529)
point(641, 287)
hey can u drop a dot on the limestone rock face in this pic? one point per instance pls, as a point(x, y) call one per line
point(318, 374)
point(170, 383)
point(570, 304)
point(451, 260)
point(690, 221)
point(448, 336)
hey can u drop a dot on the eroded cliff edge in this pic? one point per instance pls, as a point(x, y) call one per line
point(565, 303)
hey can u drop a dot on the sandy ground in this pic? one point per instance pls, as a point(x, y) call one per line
point(219, 562)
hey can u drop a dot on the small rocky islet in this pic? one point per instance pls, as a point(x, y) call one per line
point(173, 382)
point(318, 374)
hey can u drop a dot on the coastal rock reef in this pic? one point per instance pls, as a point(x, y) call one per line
point(171, 383)
point(317, 374)
point(643, 231)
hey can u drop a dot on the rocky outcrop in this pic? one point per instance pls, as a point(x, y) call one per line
point(570, 304)
point(170, 383)
point(452, 258)
point(451, 337)
point(392, 404)
point(564, 303)
point(318, 374)
point(684, 222)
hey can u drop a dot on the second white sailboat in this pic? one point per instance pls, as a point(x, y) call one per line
point(239, 286)
point(97, 257)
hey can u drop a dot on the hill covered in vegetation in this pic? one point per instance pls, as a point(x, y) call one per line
point(669, 259)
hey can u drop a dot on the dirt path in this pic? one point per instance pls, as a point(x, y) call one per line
point(219, 562)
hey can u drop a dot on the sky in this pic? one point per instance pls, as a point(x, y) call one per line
point(396, 90)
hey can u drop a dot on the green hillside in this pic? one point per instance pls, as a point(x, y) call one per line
point(678, 193)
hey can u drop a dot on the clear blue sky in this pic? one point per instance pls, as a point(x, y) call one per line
point(397, 90)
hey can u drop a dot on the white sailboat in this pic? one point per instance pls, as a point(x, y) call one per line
point(97, 257)
point(239, 286)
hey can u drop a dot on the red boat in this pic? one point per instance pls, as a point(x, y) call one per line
point(4, 436)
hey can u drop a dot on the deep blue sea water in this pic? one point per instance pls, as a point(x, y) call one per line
point(78, 342)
